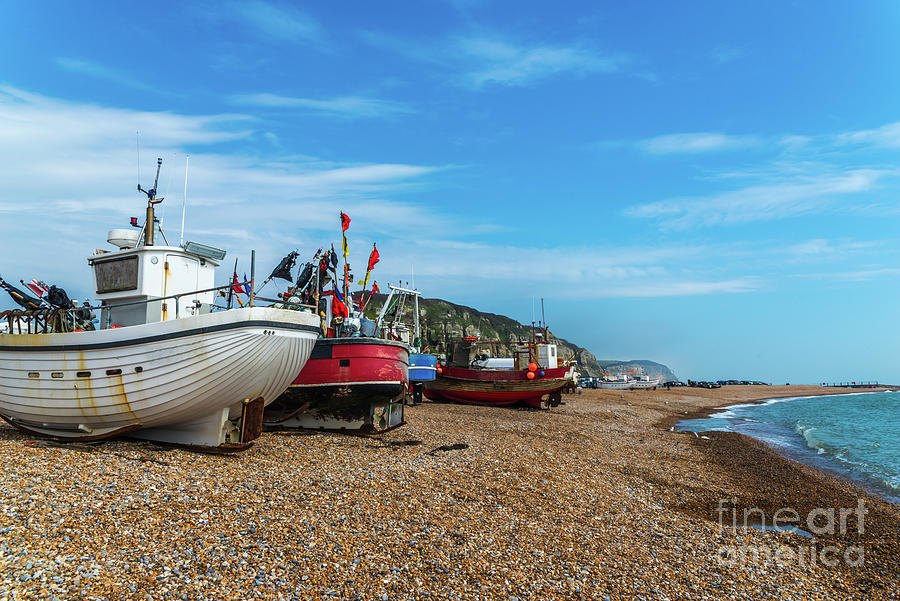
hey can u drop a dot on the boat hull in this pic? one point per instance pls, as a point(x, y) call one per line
point(616, 385)
point(645, 384)
point(184, 381)
point(352, 385)
point(497, 387)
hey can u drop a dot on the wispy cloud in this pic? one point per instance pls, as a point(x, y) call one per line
point(277, 21)
point(682, 288)
point(98, 71)
point(793, 174)
point(344, 106)
point(477, 61)
point(799, 195)
point(30, 121)
point(78, 161)
point(695, 143)
point(887, 136)
point(822, 248)
point(65, 163)
point(858, 275)
point(495, 61)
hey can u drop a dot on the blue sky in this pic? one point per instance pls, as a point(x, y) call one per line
point(710, 185)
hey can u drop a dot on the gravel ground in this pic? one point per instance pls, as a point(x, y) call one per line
point(595, 499)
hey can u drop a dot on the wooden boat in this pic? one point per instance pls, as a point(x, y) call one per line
point(352, 384)
point(499, 387)
point(198, 380)
point(536, 375)
point(166, 364)
point(358, 374)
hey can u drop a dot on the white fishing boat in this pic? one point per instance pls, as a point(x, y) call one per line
point(167, 363)
point(645, 382)
point(620, 382)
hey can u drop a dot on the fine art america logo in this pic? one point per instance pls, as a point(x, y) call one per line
point(820, 521)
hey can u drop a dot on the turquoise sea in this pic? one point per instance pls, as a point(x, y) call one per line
point(857, 435)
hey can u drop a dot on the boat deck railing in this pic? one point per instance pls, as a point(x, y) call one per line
point(43, 321)
point(39, 321)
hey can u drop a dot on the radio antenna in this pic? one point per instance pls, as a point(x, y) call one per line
point(184, 202)
point(137, 136)
point(149, 224)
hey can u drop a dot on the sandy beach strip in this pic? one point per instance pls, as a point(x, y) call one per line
point(595, 499)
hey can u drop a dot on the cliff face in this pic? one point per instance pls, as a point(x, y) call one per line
point(443, 322)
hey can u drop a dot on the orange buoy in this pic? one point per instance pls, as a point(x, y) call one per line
point(532, 367)
point(530, 375)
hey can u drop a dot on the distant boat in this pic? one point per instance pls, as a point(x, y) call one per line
point(536, 381)
point(620, 382)
point(644, 382)
point(167, 363)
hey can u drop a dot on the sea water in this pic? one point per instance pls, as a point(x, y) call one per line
point(857, 434)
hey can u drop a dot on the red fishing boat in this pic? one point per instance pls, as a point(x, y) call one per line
point(353, 381)
point(535, 379)
point(353, 384)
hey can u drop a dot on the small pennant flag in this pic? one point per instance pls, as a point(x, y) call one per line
point(36, 287)
point(345, 221)
point(235, 286)
point(374, 257)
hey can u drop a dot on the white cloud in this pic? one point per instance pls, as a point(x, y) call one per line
point(682, 288)
point(98, 71)
point(492, 60)
point(476, 61)
point(276, 21)
point(797, 196)
point(345, 106)
point(447, 266)
point(69, 173)
point(820, 248)
point(887, 136)
point(692, 143)
point(74, 165)
point(857, 275)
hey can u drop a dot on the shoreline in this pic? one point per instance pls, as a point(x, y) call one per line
point(801, 454)
point(589, 500)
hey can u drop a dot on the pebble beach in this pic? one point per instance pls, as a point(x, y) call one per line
point(596, 499)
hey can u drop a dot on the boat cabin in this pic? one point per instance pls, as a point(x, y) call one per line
point(483, 354)
point(130, 280)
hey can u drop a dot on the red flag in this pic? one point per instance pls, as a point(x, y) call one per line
point(375, 289)
point(345, 221)
point(338, 308)
point(374, 257)
point(235, 287)
point(35, 287)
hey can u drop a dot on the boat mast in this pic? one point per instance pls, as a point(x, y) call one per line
point(417, 339)
point(150, 220)
point(543, 319)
